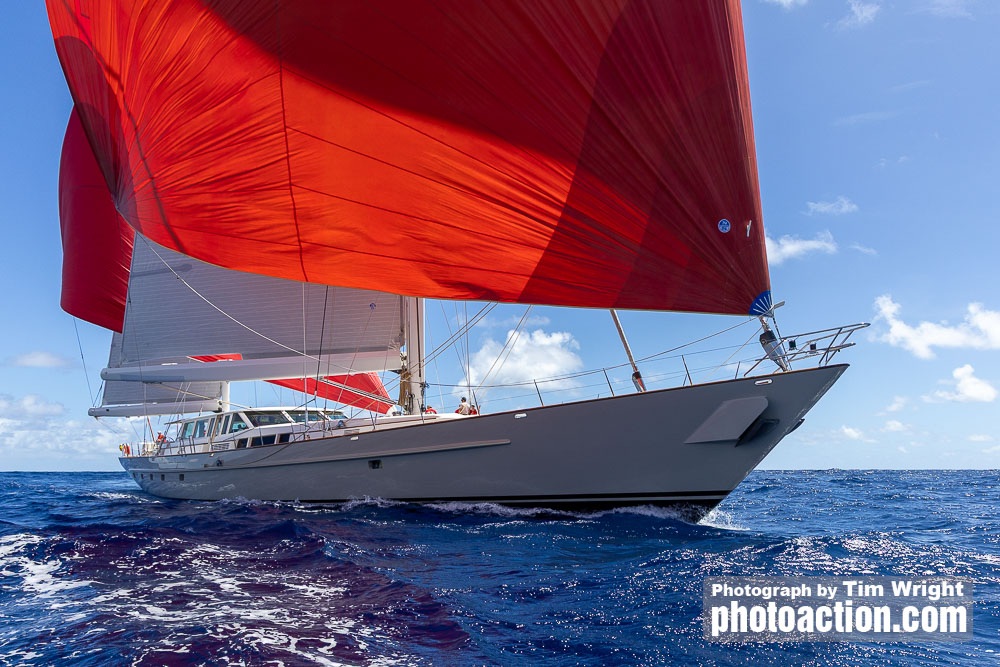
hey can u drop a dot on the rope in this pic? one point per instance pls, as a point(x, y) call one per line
point(83, 360)
point(508, 347)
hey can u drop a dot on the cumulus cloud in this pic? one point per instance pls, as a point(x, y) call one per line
point(854, 434)
point(968, 388)
point(895, 426)
point(528, 356)
point(791, 247)
point(28, 406)
point(39, 359)
point(980, 437)
point(788, 4)
point(861, 14)
point(979, 331)
point(513, 321)
point(992, 450)
point(898, 403)
point(34, 435)
point(839, 206)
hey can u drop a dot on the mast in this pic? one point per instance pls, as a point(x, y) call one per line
point(411, 380)
point(640, 386)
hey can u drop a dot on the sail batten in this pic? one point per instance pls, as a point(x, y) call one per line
point(571, 152)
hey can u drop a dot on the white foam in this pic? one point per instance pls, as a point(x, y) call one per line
point(500, 510)
point(37, 576)
point(719, 518)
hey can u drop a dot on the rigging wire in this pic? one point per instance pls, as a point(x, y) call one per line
point(83, 360)
point(229, 317)
point(659, 356)
point(508, 347)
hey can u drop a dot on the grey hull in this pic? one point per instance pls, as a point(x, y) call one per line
point(688, 446)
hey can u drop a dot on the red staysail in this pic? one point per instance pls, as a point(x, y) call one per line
point(570, 152)
point(328, 388)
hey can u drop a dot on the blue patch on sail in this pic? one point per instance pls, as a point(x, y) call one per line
point(762, 304)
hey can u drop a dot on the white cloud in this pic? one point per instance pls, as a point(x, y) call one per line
point(856, 434)
point(788, 4)
point(947, 8)
point(898, 403)
point(884, 162)
point(30, 406)
point(790, 247)
point(862, 13)
point(895, 426)
point(979, 331)
point(39, 359)
point(968, 388)
point(513, 321)
point(865, 117)
point(980, 437)
point(840, 206)
point(529, 356)
point(34, 436)
point(864, 250)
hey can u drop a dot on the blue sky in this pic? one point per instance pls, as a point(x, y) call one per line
point(879, 160)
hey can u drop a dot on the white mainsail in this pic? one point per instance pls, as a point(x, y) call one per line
point(180, 308)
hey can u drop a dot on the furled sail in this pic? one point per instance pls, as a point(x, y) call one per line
point(571, 152)
point(126, 399)
point(179, 306)
point(256, 327)
point(268, 328)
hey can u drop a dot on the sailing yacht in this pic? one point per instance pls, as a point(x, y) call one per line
point(261, 191)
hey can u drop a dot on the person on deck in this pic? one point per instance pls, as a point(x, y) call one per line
point(463, 407)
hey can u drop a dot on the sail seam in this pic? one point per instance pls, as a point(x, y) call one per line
point(288, 150)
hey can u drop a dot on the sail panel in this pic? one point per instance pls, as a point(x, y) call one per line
point(183, 307)
point(568, 152)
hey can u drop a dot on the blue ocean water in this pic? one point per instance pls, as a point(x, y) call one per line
point(94, 572)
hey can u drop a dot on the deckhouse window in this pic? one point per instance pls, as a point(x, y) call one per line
point(267, 418)
point(238, 424)
point(300, 416)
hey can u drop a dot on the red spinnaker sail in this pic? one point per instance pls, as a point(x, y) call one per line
point(97, 243)
point(570, 152)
